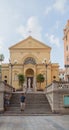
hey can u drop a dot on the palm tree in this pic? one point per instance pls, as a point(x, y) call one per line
point(21, 79)
point(40, 78)
point(1, 58)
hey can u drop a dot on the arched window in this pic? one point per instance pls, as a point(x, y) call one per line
point(29, 60)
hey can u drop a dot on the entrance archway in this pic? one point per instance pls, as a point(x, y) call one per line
point(30, 78)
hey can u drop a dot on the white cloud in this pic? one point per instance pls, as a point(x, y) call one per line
point(58, 5)
point(31, 25)
point(55, 27)
point(52, 39)
point(57, 24)
point(48, 10)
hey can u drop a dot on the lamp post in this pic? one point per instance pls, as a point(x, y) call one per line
point(46, 65)
point(11, 65)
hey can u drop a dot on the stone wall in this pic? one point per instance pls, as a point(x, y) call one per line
point(4, 89)
point(55, 94)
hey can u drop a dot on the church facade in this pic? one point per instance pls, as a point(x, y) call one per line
point(30, 57)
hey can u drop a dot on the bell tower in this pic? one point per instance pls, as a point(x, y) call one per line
point(66, 50)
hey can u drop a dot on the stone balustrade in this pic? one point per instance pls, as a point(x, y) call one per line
point(5, 87)
point(5, 94)
point(55, 93)
point(56, 85)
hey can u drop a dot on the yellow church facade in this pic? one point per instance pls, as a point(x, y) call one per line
point(30, 57)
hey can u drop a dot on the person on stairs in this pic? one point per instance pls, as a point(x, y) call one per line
point(22, 101)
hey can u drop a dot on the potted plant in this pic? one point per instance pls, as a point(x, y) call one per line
point(21, 79)
point(40, 79)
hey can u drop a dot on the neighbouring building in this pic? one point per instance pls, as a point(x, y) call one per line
point(61, 74)
point(30, 54)
point(66, 50)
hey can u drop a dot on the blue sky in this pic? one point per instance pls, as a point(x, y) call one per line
point(45, 18)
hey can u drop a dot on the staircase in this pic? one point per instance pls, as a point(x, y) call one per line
point(36, 104)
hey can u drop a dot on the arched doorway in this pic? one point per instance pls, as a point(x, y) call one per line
point(30, 78)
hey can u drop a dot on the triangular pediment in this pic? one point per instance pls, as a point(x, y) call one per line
point(29, 43)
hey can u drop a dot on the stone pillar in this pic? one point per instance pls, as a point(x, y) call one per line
point(1, 101)
point(1, 97)
point(4, 89)
point(34, 84)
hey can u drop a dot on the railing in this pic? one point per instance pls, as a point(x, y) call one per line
point(5, 87)
point(55, 94)
point(5, 95)
point(57, 85)
point(50, 100)
point(67, 73)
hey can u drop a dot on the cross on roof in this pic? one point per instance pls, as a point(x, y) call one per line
point(30, 32)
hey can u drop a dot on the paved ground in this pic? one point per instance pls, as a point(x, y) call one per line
point(34, 122)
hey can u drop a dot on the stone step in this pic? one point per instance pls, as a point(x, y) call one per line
point(18, 108)
point(30, 99)
point(35, 103)
point(31, 106)
point(28, 114)
point(29, 111)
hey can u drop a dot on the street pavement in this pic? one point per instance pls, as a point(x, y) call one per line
point(34, 122)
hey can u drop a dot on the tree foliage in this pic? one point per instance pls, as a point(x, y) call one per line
point(21, 79)
point(40, 78)
point(1, 57)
